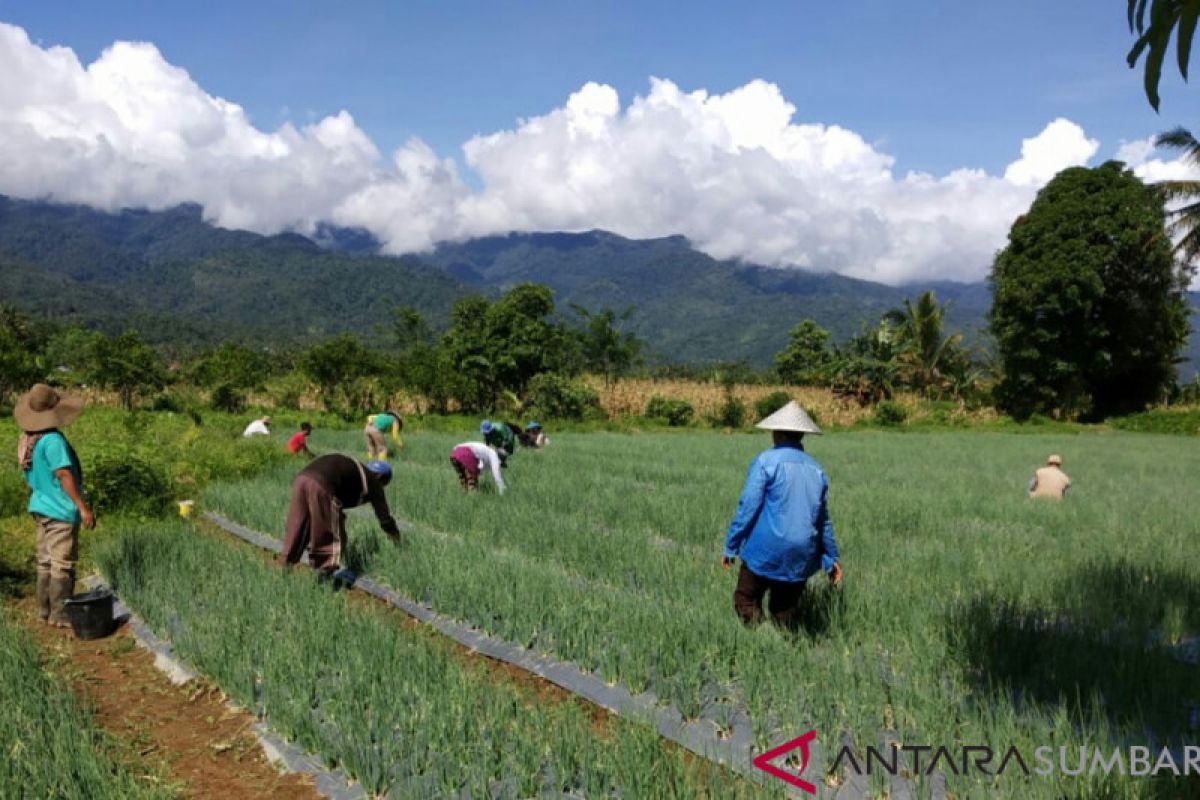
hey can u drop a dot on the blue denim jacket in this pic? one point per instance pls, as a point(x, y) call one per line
point(781, 529)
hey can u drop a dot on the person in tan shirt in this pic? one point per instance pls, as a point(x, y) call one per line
point(1050, 481)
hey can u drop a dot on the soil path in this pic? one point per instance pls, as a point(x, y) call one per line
point(185, 733)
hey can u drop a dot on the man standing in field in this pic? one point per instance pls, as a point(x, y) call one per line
point(377, 426)
point(1050, 481)
point(781, 529)
point(51, 468)
point(316, 519)
point(469, 459)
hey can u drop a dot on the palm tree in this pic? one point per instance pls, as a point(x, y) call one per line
point(1166, 17)
point(1183, 222)
point(925, 348)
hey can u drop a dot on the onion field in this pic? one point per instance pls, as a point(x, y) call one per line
point(969, 615)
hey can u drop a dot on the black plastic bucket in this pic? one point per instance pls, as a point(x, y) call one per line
point(90, 613)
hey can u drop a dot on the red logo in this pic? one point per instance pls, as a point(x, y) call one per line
point(764, 760)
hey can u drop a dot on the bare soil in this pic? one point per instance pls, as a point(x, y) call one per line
point(182, 735)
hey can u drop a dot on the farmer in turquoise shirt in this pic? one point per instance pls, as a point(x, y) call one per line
point(56, 501)
point(781, 530)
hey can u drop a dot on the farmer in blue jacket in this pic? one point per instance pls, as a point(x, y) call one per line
point(781, 529)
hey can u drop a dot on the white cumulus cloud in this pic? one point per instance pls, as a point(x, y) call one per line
point(738, 173)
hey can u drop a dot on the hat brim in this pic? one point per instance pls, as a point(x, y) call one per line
point(786, 427)
point(63, 414)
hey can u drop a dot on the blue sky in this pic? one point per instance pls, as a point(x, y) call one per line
point(938, 85)
point(885, 140)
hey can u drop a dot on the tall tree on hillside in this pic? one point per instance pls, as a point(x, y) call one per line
point(807, 358)
point(605, 348)
point(1088, 304)
point(127, 365)
point(1182, 196)
point(928, 354)
point(1154, 37)
point(499, 347)
point(341, 367)
point(20, 364)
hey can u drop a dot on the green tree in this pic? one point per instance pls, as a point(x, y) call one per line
point(1183, 221)
point(927, 355)
point(21, 363)
point(867, 368)
point(425, 368)
point(234, 365)
point(345, 372)
point(1154, 37)
point(604, 347)
point(807, 358)
point(499, 347)
point(127, 365)
point(1088, 304)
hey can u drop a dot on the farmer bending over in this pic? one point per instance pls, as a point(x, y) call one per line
point(781, 529)
point(321, 492)
point(469, 459)
point(500, 436)
point(377, 426)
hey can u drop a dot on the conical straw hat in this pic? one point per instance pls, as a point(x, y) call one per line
point(790, 418)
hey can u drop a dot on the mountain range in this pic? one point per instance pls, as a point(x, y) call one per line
point(183, 282)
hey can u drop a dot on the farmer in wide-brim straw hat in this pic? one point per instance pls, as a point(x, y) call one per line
point(781, 529)
point(57, 503)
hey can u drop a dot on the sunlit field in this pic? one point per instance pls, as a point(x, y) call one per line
point(968, 615)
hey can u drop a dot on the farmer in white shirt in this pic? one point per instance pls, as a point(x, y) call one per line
point(469, 458)
point(260, 427)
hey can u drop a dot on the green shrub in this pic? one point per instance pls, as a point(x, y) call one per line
point(677, 413)
point(228, 398)
point(120, 480)
point(769, 404)
point(730, 414)
point(559, 397)
point(889, 414)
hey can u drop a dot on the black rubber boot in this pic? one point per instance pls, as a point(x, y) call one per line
point(61, 587)
point(43, 595)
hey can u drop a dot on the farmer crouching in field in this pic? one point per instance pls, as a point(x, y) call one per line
point(55, 479)
point(299, 442)
point(469, 459)
point(1050, 481)
point(533, 436)
point(377, 426)
point(320, 493)
point(781, 530)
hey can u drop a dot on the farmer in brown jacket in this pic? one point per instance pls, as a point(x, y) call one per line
point(1050, 481)
point(321, 491)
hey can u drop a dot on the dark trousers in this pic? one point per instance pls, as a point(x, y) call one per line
point(781, 602)
point(315, 522)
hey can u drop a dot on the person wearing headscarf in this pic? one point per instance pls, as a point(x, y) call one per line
point(781, 530)
point(57, 502)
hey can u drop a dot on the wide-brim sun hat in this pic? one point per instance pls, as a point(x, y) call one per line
point(790, 418)
point(44, 407)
